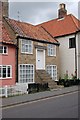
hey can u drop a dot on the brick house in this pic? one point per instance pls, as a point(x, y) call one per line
point(66, 29)
point(37, 53)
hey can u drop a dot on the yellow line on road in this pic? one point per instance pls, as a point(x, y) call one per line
point(35, 101)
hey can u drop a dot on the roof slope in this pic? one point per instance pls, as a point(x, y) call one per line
point(59, 27)
point(4, 35)
point(30, 31)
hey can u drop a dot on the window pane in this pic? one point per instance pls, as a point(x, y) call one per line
point(4, 72)
point(1, 49)
point(5, 49)
point(8, 72)
point(0, 71)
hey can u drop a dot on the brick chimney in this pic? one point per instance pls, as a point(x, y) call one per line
point(4, 9)
point(62, 12)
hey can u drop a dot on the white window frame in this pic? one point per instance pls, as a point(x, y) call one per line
point(19, 73)
point(3, 50)
point(52, 71)
point(25, 46)
point(6, 66)
point(51, 47)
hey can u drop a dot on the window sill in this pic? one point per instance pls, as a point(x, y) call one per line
point(51, 55)
point(4, 54)
point(27, 53)
point(5, 78)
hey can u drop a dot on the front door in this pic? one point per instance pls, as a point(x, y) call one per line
point(40, 59)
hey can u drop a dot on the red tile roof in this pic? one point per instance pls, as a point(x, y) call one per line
point(59, 27)
point(4, 35)
point(30, 31)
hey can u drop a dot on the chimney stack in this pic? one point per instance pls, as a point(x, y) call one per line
point(4, 9)
point(62, 12)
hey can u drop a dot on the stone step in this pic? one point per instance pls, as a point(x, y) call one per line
point(42, 76)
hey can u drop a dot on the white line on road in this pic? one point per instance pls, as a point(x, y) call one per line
point(43, 99)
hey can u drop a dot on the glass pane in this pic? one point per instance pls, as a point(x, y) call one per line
point(23, 48)
point(4, 72)
point(1, 49)
point(8, 74)
point(0, 71)
point(5, 49)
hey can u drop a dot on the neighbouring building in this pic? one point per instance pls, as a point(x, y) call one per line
point(7, 58)
point(66, 29)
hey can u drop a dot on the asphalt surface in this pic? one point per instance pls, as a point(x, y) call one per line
point(61, 106)
point(37, 96)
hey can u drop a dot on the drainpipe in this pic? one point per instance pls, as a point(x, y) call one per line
point(17, 59)
point(75, 57)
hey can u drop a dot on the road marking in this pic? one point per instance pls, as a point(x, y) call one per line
point(35, 101)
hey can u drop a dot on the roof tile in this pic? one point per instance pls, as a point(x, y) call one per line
point(31, 31)
point(59, 27)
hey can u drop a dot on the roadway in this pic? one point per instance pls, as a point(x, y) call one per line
point(61, 106)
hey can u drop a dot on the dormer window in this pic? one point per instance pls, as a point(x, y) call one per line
point(27, 46)
point(72, 42)
point(3, 49)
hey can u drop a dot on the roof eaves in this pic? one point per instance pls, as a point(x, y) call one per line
point(67, 34)
point(38, 40)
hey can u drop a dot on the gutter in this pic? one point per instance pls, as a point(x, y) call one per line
point(17, 59)
point(44, 41)
point(67, 34)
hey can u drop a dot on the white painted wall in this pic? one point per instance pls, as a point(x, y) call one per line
point(78, 54)
point(67, 56)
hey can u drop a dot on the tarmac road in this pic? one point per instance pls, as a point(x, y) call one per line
point(61, 106)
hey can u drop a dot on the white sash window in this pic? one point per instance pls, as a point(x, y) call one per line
point(26, 46)
point(5, 71)
point(51, 50)
point(52, 71)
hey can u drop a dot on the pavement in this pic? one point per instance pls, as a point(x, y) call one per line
point(36, 96)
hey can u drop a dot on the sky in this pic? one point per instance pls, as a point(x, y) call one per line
point(38, 11)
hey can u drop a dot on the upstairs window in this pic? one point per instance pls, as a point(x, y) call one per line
point(27, 46)
point(3, 49)
point(51, 50)
point(72, 42)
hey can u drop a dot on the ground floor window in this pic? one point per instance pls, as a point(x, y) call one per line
point(26, 73)
point(52, 71)
point(5, 71)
